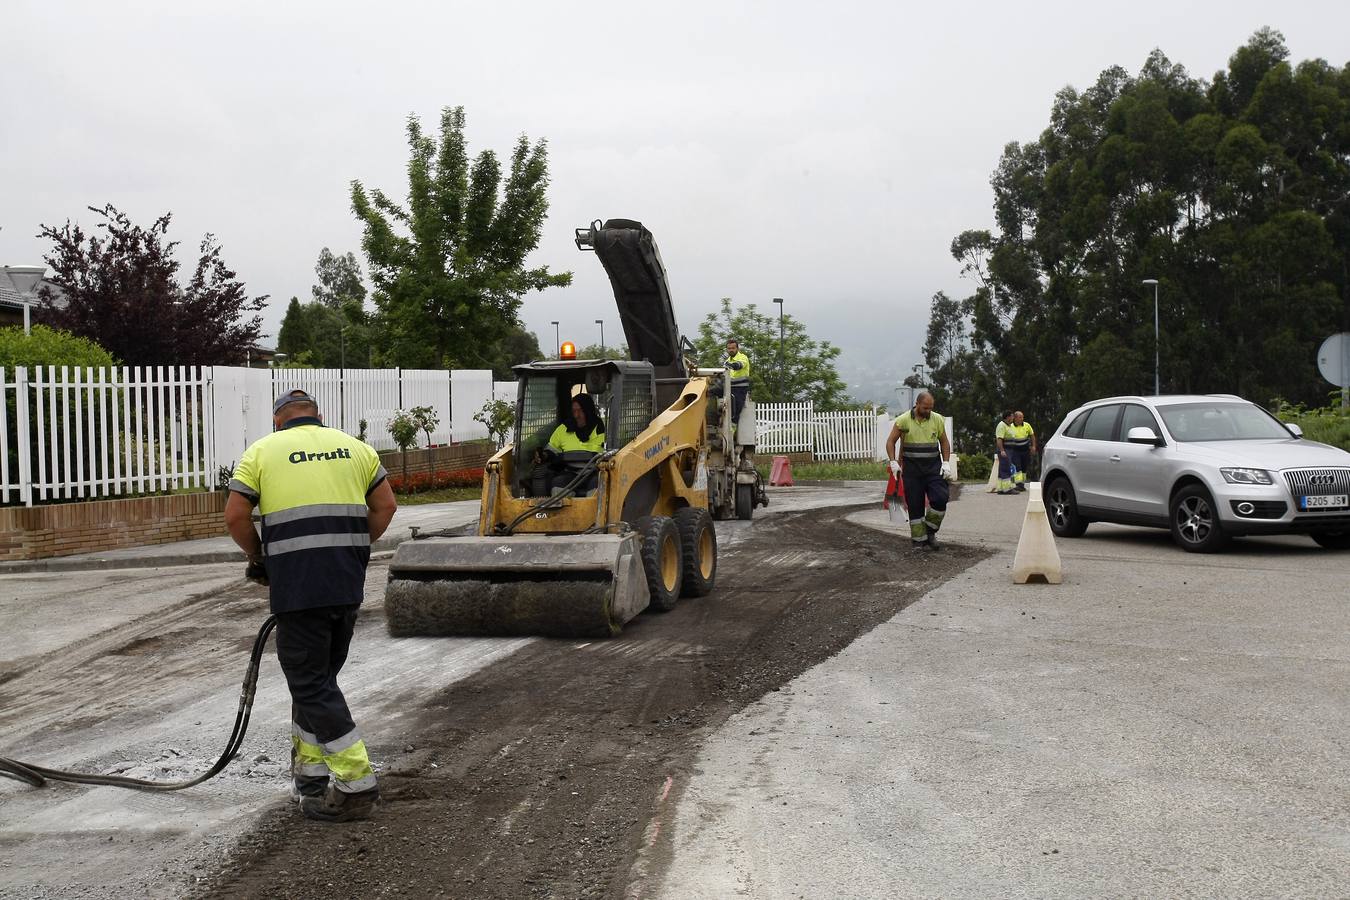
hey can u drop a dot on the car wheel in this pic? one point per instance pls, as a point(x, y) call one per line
point(1062, 508)
point(1195, 521)
point(1333, 540)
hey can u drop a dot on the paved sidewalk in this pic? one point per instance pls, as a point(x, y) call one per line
point(427, 516)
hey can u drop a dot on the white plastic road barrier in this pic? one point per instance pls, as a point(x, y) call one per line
point(1037, 557)
point(992, 486)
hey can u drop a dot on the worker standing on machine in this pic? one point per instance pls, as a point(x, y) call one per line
point(324, 498)
point(739, 364)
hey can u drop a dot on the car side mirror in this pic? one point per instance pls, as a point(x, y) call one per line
point(1142, 434)
point(1294, 429)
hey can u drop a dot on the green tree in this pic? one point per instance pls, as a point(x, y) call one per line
point(448, 266)
point(122, 290)
point(318, 335)
point(498, 417)
point(1232, 193)
point(45, 346)
point(340, 281)
point(804, 371)
point(516, 347)
point(599, 351)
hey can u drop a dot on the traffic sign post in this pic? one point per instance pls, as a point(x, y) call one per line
point(1333, 361)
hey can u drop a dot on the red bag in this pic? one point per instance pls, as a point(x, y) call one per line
point(895, 490)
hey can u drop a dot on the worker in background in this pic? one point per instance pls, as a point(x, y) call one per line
point(924, 464)
point(1021, 444)
point(578, 437)
point(324, 498)
point(739, 364)
point(1005, 474)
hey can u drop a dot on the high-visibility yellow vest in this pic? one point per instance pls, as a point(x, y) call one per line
point(565, 441)
point(920, 439)
point(1018, 437)
point(741, 375)
point(310, 485)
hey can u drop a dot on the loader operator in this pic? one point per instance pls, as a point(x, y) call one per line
point(578, 437)
point(324, 498)
point(926, 454)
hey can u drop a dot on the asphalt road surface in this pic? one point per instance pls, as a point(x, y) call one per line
point(838, 719)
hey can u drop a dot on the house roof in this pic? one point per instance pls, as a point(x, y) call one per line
point(12, 297)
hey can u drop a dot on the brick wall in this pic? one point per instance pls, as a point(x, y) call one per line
point(63, 529)
point(468, 455)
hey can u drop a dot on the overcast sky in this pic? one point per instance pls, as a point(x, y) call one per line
point(823, 153)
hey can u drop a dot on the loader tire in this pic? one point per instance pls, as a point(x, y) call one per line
point(745, 501)
point(698, 544)
point(661, 560)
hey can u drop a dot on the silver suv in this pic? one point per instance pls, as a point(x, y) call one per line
point(1207, 467)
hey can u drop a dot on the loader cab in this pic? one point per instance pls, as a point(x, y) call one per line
point(623, 393)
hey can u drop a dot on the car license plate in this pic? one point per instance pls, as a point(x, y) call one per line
point(1325, 501)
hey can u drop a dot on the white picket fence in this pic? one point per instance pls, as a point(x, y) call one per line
point(75, 433)
point(798, 428)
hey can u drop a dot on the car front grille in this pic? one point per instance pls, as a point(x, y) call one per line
point(1312, 482)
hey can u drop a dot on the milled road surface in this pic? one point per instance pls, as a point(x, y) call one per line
point(838, 719)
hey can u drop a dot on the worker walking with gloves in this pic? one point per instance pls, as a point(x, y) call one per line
point(924, 463)
point(324, 498)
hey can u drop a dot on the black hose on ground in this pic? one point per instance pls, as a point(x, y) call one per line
point(37, 776)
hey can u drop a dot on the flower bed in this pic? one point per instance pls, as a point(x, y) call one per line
point(416, 482)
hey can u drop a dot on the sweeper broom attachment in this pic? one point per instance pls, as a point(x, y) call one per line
point(584, 585)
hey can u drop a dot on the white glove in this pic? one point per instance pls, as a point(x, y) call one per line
point(947, 470)
point(895, 468)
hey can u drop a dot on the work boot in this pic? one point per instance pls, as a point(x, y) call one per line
point(339, 806)
point(921, 546)
point(302, 787)
point(932, 541)
point(1020, 488)
point(1008, 492)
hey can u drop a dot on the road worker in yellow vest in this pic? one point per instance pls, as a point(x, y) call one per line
point(578, 437)
point(739, 364)
point(1020, 442)
point(1005, 474)
point(923, 461)
point(324, 498)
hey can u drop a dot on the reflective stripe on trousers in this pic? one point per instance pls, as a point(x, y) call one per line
point(345, 757)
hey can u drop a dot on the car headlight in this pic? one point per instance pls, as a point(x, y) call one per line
point(1246, 476)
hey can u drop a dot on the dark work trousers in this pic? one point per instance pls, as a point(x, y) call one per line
point(1022, 459)
point(311, 647)
point(924, 485)
point(738, 394)
point(1005, 465)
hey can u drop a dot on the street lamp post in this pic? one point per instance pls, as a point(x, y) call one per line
point(918, 370)
point(779, 301)
point(601, 323)
point(1157, 391)
point(557, 340)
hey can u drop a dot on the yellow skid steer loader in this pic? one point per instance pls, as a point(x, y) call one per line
point(576, 544)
